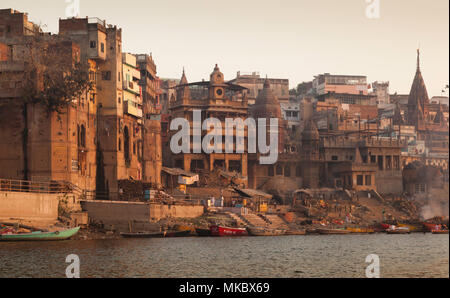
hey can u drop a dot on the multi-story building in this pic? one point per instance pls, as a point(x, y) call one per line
point(345, 84)
point(152, 138)
point(37, 143)
point(99, 138)
point(215, 99)
point(254, 84)
point(381, 90)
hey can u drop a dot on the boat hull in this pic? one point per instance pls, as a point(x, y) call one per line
point(442, 232)
point(256, 231)
point(398, 232)
point(41, 236)
point(332, 232)
point(203, 232)
point(295, 233)
point(227, 232)
point(166, 234)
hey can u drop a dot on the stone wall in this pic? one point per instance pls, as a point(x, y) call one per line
point(124, 212)
point(28, 206)
point(389, 182)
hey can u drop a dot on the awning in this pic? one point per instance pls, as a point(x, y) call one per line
point(307, 192)
point(253, 193)
point(178, 172)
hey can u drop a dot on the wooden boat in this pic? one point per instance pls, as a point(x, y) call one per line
point(40, 236)
point(430, 227)
point(184, 228)
point(332, 231)
point(164, 234)
point(361, 231)
point(262, 231)
point(412, 228)
point(295, 232)
point(203, 232)
point(225, 231)
point(311, 231)
point(440, 232)
point(398, 231)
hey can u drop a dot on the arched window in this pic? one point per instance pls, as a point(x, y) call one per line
point(279, 170)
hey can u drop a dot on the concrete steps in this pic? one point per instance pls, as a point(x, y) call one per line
point(255, 220)
point(277, 222)
point(241, 222)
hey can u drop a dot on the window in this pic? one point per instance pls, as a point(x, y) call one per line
point(197, 165)
point(134, 148)
point(334, 158)
point(287, 171)
point(82, 136)
point(106, 75)
point(93, 44)
point(360, 180)
point(126, 144)
point(279, 170)
point(8, 28)
point(120, 145)
point(397, 162)
point(380, 163)
point(271, 171)
point(368, 180)
point(388, 162)
point(119, 100)
point(298, 171)
point(373, 159)
point(102, 47)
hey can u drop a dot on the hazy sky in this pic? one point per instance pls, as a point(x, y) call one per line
point(292, 39)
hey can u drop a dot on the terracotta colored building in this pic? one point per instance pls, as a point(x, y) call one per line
point(215, 99)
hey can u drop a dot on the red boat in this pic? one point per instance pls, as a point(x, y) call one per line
point(429, 227)
point(226, 232)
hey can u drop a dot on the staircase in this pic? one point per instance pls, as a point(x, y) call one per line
point(254, 220)
point(277, 222)
point(241, 222)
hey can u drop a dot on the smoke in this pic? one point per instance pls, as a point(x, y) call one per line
point(437, 206)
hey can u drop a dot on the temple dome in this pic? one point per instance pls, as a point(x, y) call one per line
point(267, 104)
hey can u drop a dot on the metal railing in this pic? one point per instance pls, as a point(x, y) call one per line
point(33, 186)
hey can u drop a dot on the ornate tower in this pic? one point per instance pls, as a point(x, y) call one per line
point(183, 91)
point(310, 155)
point(418, 98)
point(267, 106)
point(216, 85)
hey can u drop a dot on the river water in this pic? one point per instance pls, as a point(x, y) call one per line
point(415, 255)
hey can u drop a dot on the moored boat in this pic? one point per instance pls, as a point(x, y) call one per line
point(396, 230)
point(430, 227)
point(332, 231)
point(163, 234)
point(361, 230)
point(295, 232)
point(40, 236)
point(203, 232)
point(262, 231)
point(226, 231)
point(439, 231)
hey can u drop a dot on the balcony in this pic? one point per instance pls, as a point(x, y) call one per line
point(133, 109)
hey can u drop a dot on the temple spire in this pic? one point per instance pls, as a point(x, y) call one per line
point(418, 59)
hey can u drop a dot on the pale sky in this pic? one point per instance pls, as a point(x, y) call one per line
point(293, 39)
